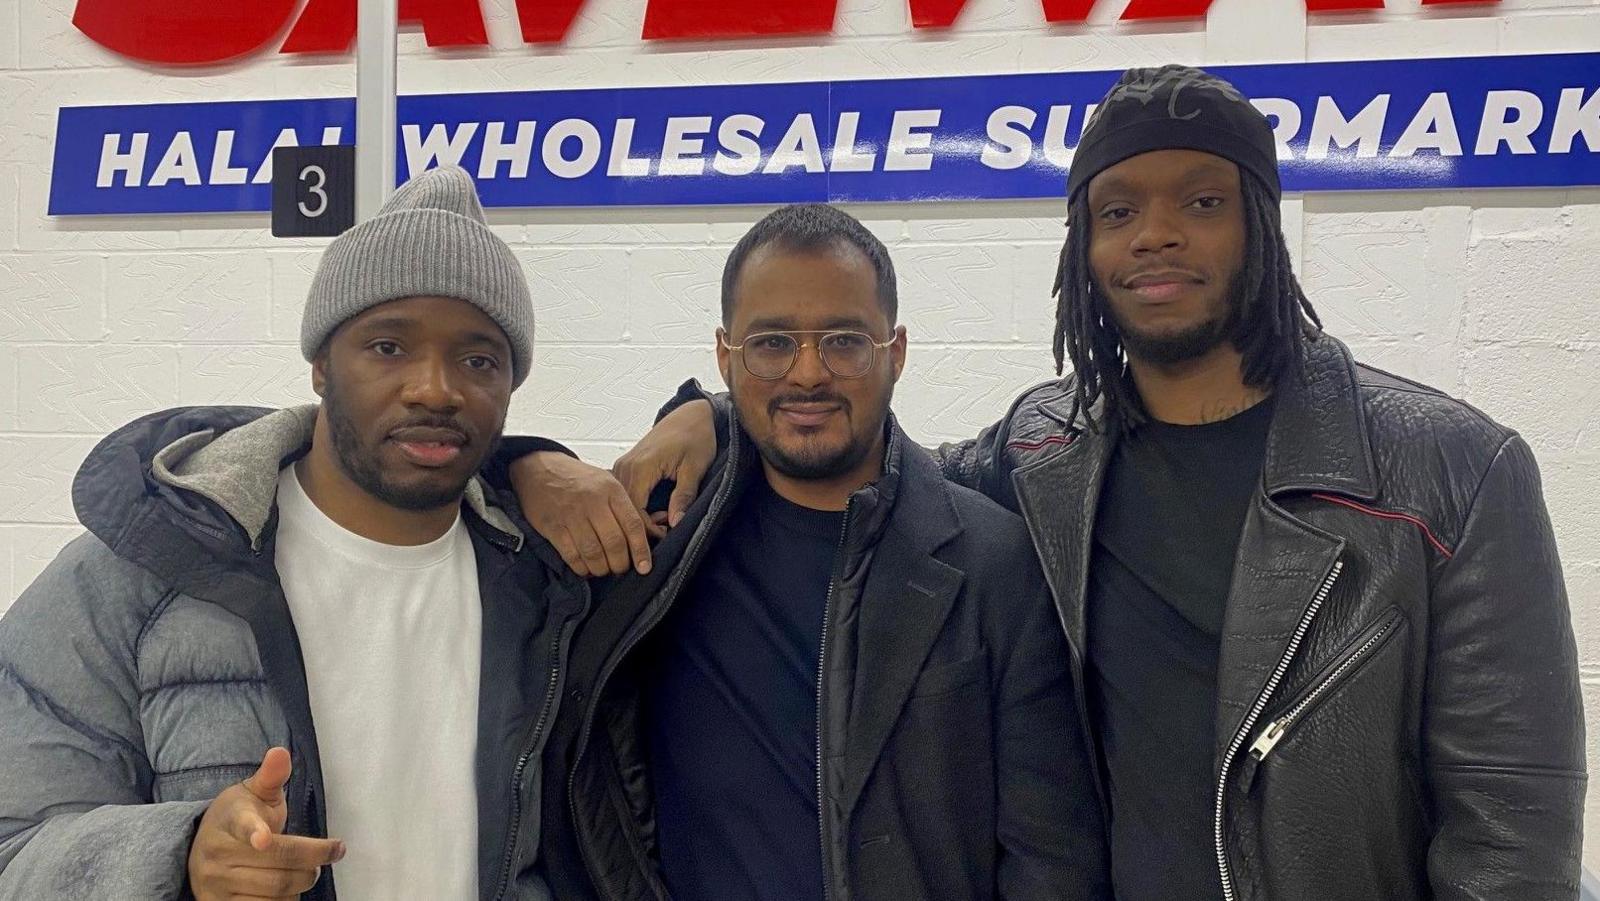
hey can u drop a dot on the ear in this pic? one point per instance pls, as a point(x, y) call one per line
point(724, 358)
point(319, 373)
point(897, 351)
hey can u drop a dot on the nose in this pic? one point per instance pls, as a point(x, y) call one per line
point(430, 383)
point(808, 370)
point(1158, 230)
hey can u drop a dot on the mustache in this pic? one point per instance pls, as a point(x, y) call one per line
point(440, 422)
point(815, 397)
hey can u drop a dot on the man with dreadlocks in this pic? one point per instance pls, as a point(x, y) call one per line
point(1317, 616)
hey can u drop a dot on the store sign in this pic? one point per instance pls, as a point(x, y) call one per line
point(1434, 124)
point(206, 31)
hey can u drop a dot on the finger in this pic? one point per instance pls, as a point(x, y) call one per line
point(267, 782)
point(633, 530)
point(300, 852)
point(639, 482)
point(248, 826)
point(267, 882)
point(614, 540)
point(657, 526)
point(567, 547)
point(591, 549)
point(688, 479)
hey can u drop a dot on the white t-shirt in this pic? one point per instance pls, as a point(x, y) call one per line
point(392, 640)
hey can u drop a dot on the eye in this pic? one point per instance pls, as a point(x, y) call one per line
point(1207, 203)
point(482, 363)
point(1116, 213)
point(385, 348)
point(772, 342)
point(846, 341)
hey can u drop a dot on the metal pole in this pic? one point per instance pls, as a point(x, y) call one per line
point(377, 23)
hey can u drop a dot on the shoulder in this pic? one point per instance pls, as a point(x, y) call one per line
point(991, 538)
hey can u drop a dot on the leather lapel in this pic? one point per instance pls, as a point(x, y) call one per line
point(1058, 497)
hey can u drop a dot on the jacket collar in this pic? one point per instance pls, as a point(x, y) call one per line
point(238, 469)
point(1318, 437)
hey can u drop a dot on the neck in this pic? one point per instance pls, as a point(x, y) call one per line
point(1207, 389)
point(832, 493)
point(346, 503)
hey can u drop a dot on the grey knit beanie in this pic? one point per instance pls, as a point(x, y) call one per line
point(430, 240)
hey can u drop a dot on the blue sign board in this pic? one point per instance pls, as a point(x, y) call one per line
point(1491, 122)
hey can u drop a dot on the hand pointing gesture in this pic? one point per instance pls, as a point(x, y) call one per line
point(240, 849)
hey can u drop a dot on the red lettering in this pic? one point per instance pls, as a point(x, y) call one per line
point(1329, 6)
point(546, 21)
point(329, 26)
point(1167, 9)
point(182, 31)
point(736, 18)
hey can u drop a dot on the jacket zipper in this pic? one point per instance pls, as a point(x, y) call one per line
point(1224, 868)
point(522, 765)
point(691, 558)
point(1275, 731)
point(822, 661)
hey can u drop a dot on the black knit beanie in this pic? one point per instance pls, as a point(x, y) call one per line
point(1175, 108)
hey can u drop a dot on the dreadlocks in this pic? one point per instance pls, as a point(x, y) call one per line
point(1269, 324)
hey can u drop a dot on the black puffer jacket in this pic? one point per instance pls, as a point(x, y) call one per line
point(1399, 714)
point(951, 768)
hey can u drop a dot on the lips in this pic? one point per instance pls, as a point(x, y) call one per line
point(807, 414)
point(1163, 285)
point(430, 447)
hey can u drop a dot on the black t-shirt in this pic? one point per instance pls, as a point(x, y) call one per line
point(1167, 527)
point(730, 707)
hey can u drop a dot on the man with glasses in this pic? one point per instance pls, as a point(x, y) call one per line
point(843, 678)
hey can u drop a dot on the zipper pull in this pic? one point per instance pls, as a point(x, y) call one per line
point(1268, 739)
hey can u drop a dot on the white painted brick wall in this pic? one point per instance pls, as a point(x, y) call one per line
point(1489, 295)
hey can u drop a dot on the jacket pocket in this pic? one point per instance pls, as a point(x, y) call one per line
point(1349, 662)
point(950, 677)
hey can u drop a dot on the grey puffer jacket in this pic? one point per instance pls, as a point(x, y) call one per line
point(154, 661)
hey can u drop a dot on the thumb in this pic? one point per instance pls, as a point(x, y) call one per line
point(267, 782)
point(683, 496)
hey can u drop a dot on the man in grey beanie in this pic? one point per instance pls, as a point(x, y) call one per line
point(311, 636)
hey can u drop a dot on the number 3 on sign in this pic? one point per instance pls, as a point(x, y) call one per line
point(316, 189)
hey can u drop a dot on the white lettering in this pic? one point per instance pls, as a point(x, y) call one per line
point(1432, 128)
point(1575, 116)
point(178, 162)
point(223, 172)
point(1055, 135)
point(1496, 128)
point(555, 140)
point(1329, 127)
point(440, 147)
point(331, 135)
point(845, 157)
point(1010, 146)
point(799, 147)
point(1286, 119)
point(904, 137)
point(130, 164)
point(621, 164)
point(496, 150)
point(738, 134)
point(286, 138)
point(683, 144)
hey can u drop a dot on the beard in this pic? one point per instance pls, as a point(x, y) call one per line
point(1167, 348)
point(805, 459)
point(362, 465)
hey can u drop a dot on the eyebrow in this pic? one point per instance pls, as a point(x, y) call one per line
point(780, 324)
point(1117, 184)
point(405, 325)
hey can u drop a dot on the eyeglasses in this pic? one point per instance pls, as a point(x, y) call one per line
point(770, 355)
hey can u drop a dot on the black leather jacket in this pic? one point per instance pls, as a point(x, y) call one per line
point(950, 765)
point(1398, 706)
